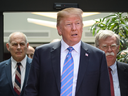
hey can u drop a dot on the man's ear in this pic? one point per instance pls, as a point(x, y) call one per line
point(7, 46)
point(59, 30)
point(27, 45)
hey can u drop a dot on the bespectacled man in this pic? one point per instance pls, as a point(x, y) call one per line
point(109, 42)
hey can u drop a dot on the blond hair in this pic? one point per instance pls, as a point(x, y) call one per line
point(68, 11)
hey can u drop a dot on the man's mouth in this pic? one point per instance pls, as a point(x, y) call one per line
point(74, 34)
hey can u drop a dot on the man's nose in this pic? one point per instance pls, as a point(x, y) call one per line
point(18, 46)
point(109, 48)
point(74, 26)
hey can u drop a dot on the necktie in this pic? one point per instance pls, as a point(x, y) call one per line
point(17, 83)
point(67, 74)
point(111, 82)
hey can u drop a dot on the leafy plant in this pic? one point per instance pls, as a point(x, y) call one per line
point(118, 23)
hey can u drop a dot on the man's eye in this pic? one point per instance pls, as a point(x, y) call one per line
point(104, 46)
point(22, 44)
point(14, 44)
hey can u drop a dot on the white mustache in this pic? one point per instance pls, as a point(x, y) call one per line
point(110, 54)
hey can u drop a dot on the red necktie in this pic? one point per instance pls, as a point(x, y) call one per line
point(111, 82)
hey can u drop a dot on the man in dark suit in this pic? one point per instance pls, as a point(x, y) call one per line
point(86, 71)
point(17, 46)
point(109, 42)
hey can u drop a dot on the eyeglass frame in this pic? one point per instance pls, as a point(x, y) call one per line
point(112, 46)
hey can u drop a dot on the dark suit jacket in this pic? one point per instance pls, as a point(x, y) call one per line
point(44, 78)
point(6, 87)
point(123, 77)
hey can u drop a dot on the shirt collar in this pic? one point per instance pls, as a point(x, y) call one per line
point(113, 67)
point(76, 47)
point(23, 62)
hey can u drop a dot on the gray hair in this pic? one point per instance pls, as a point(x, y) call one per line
point(103, 34)
point(9, 38)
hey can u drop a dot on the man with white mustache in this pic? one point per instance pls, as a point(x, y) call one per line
point(110, 54)
point(109, 42)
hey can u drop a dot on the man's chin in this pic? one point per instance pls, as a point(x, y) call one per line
point(19, 56)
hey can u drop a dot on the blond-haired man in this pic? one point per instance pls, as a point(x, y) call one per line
point(68, 67)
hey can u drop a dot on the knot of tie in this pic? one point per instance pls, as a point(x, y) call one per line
point(70, 49)
point(18, 64)
point(109, 69)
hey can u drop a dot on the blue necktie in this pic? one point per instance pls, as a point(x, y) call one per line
point(67, 74)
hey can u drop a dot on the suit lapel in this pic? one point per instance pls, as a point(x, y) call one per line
point(55, 54)
point(9, 75)
point(84, 61)
point(26, 74)
point(123, 77)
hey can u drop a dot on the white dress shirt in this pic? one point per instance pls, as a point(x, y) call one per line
point(76, 57)
point(22, 68)
point(115, 79)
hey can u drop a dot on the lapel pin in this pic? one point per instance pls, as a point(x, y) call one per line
point(86, 54)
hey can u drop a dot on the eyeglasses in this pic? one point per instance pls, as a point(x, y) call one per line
point(113, 47)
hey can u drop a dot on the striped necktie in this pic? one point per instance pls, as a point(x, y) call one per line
point(17, 83)
point(67, 74)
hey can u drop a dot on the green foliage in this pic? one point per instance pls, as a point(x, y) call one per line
point(118, 23)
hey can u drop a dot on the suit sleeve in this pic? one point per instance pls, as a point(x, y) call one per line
point(31, 88)
point(104, 83)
